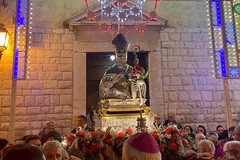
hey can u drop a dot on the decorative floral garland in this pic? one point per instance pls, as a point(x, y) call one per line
point(108, 144)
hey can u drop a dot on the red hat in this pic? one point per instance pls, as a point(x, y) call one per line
point(143, 142)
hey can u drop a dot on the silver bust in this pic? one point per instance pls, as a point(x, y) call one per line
point(116, 83)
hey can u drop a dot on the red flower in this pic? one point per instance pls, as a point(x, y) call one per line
point(168, 131)
point(102, 136)
point(69, 137)
point(94, 134)
point(155, 136)
point(118, 141)
point(173, 146)
point(162, 147)
point(190, 144)
point(104, 152)
point(184, 141)
point(88, 152)
point(121, 135)
point(129, 131)
point(80, 134)
point(94, 147)
point(109, 141)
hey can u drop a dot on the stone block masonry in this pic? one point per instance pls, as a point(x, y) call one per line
point(180, 80)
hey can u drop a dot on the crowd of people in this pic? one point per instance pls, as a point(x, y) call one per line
point(221, 144)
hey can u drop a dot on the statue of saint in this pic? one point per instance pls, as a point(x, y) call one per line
point(116, 83)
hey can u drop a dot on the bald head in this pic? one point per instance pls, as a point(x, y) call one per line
point(171, 117)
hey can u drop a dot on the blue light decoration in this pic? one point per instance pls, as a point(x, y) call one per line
point(234, 72)
point(22, 40)
point(225, 35)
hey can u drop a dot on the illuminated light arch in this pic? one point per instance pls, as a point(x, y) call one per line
point(224, 29)
point(118, 13)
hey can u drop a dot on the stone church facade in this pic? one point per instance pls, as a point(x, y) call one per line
point(179, 62)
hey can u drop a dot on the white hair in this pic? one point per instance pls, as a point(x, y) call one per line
point(231, 145)
point(200, 143)
point(51, 144)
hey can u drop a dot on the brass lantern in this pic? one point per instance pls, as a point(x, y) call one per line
point(4, 38)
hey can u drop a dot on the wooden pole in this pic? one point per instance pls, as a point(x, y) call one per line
point(12, 111)
point(228, 111)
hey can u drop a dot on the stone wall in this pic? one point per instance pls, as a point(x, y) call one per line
point(179, 63)
point(47, 94)
point(189, 88)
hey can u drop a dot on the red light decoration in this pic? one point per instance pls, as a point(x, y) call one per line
point(122, 29)
point(152, 15)
point(86, 3)
point(122, 10)
point(238, 52)
point(141, 27)
point(103, 26)
point(91, 15)
point(122, 3)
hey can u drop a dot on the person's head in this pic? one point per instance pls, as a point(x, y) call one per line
point(231, 131)
point(228, 158)
point(3, 144)
point(214, 139)
point(199, 137)
point(219, 129)
point(188, 129)
point(212, 133)
point(18, 141)
point(237, 133)
point(232, 148)
point(206, 146)
point(135, 61)
point(52, 135)
point(201, 129)
point(34, 140)
point(171, 117)
point(52, 150)
point(121, 44)
point(157, 119)
point(223, 136)
point(190, 155)
point(82, 121)
point(50, 126)
point(24, 152)
point(141, 146)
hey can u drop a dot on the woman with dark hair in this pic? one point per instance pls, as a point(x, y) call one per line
point(189, 131)
point(201, 129)
point(24, 152)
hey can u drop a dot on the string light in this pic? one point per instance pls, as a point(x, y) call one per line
point(23, 39)
point(224, 29)
point(120, 11)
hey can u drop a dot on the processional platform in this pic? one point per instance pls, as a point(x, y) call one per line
point(122, 114)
